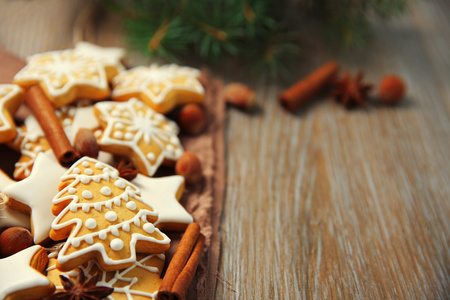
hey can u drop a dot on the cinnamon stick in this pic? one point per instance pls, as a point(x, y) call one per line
point(308, 87)
point(182, 267)
point(183, 281)
point(44, 112)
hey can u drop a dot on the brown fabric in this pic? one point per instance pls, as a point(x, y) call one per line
point(204, 199)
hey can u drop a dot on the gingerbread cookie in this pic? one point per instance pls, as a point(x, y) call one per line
point(10, 217)
point(11, 97)
point(34, 194)
point(21, 276)
point(139, 281)
point(110, 57)
point(163, 194)
point(160, 87)
point(65, 76)
point(134, 130)
point(103, 217)
point(31, 140)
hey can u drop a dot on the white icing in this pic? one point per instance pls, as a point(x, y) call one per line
point(85, 164)
point(149, 227)
point(110, 56)
point(108, 174)
point(151, 156)
point(120, 183)
point(144, 126)
point(156, 82)
point(88, 172)
point(46, 173)
point(116, 244)
point(91, 223)
point(86, 194)
point(115, 231)
point(118, 135)
point(18, 275)
point(131, 205)
point(111, 216)
point(72, 191)
point(106, 191)
point(52, 68)
point(10, 217)
point(160, 194)
point(121, 277)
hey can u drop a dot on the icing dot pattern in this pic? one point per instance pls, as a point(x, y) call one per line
point(133, 127)
point(154, 83)
point(118, 195)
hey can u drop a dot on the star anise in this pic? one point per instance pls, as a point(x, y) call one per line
point(82, 290)
point(351, 91)
point(126, 169)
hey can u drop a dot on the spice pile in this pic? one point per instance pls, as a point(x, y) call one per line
point(347, 90)
point(88, 181)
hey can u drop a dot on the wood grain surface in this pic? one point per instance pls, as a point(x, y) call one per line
point(327, 202)
point(335, 204)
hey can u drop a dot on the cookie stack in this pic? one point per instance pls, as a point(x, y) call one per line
point(86, 183)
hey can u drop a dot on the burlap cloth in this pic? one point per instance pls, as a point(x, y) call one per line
point(204, 199)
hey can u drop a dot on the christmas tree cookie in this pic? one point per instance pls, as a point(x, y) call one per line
point(103, 217)
point(134, 130)
point(160, 87)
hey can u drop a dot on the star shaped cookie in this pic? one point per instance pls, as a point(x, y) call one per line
point(10, 217)
point(160, 87)
point(34, 194)
point(163, 194)
point(21, 276)
point(134, 130)
point(31, 140)
point(110, 57)
point(11, 97)
point(65, 76)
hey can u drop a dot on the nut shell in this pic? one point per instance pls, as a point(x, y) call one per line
point(86, 143)
point(190, 167)
point(14, 239)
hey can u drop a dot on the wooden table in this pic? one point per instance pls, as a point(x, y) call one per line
point(326, 202)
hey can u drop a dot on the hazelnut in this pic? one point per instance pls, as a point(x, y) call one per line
point(240, 95)
point(14, 239)
point(86, 143)
point(391, 89)
point(192, 119)
point(190, 167)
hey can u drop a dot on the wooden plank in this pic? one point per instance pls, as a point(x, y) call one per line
point(330, 203)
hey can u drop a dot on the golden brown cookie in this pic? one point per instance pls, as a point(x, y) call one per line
point(134, 130)
point(31, 140)
point(11, 97)
point(21, 276)
point(65, 76)
point(103, 217)
point(140, 281)
point(160, 87)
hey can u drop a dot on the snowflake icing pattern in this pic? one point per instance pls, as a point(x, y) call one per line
point(135, 130)
point(159, 86)
point(65, 76)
